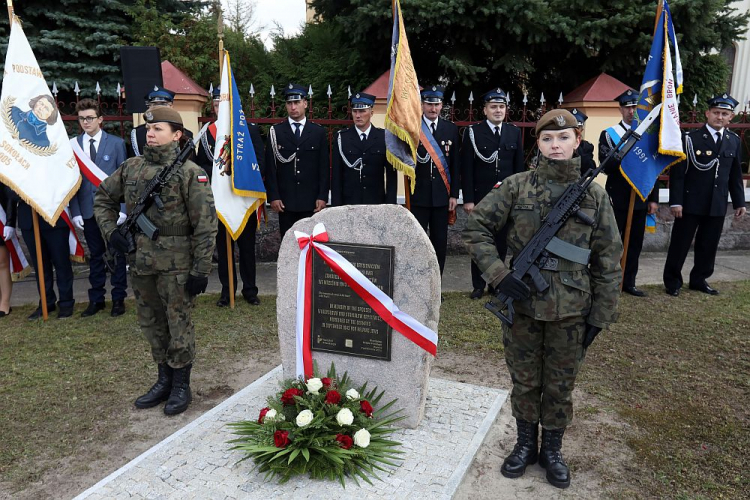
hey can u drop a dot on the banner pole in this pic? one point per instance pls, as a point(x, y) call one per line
point(39, 264)
point(626, 237)
point(230, 249)
point(10, 12)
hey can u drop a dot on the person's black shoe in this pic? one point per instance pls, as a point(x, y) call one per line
point(180, 397)
point(4, 314)
point(476, 294)
point(550, 458)
point(705, 289)
point(65, 312)
point(223, 302)
point(159, 391)
point(634, 291)
point(118, 308)
point(674, 292)
point(524, 452)
point(38, 313)
point(253, 300)
point(92, 308)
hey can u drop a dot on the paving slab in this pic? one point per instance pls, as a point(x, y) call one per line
point(196, 462)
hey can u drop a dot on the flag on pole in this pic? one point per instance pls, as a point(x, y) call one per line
point(661, 145)
point(404, 110)
point(239, 194)
point(36, 160)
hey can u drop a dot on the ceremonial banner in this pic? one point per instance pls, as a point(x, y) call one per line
point(404, 112)
point(661, 145)
point(35, 156)
point(237, 195)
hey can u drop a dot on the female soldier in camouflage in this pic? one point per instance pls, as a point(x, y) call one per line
point(552, 329)
point(169, 272)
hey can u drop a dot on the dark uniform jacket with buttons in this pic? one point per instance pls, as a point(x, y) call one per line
point(479, 177)
point(371, 182)
point(617, 186)
point(297, 183)
point(704, 192)
point(430, 189)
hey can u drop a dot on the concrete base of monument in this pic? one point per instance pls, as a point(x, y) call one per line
point(196, 462)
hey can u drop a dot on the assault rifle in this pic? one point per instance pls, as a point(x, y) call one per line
point(137, 219)
point(539, 251)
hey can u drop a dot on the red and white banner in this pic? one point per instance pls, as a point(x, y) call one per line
point(367, 291)
point(19, 266)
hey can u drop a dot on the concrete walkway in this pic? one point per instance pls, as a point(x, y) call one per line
point(730, 266)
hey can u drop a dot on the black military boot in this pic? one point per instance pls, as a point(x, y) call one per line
point(159, 391)
point(180, 397)
point(550, 458)
point(524, 452)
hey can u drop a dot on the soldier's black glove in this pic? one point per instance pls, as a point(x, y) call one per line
point(119, 242)
point(514, 288)
point(196, 285)
point(591, 333)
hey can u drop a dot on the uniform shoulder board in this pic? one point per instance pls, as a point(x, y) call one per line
point(509, 124)
point(202, 178)
point(733, 133)
point(499, 183)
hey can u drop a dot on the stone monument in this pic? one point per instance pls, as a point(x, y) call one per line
point(415, 290)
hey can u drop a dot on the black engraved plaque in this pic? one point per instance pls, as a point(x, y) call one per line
point(342, 322)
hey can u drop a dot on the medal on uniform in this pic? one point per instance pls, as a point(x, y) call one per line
point(709, 152)
point(698, 153)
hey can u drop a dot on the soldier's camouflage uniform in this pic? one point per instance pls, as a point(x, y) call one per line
point(159, 269)
point(544, 349)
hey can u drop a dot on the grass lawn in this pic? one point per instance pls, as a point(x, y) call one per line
point(675, 369)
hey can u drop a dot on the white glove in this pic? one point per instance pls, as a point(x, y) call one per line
point(8, 233)
point(78, 222)
point(121, 219)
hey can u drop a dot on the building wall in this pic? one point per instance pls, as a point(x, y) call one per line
point(741, 74)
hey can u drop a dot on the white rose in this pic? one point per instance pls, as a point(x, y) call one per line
point(362, 438)
point(270, 415)
point(352, 394)
point(304, 418)
point(345, 417)
point(314, 385)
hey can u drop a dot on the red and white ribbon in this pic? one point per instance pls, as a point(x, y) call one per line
point(19, 266)
point(367, 291)
point(89, 169)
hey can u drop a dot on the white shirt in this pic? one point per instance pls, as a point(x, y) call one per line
point(87, 142)
point(301, 122)
point(714, 131)
point(429, 123)
point(625, 125)
point(366, 132)
point(492, 127)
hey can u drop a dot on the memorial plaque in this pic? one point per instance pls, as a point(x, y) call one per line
point(342, 322)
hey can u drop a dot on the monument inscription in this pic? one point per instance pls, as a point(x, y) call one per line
point(342, 322)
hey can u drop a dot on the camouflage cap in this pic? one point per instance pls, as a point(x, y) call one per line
point(557, 119)
point(163, 114)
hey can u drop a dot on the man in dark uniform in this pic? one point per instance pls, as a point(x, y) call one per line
point(55, 254)
point(620, 190)
point(436, 192)
point(586, 149)
point(698, 189)
point(296, 171)
point(246, 240)
point(361, 175)
point(156, 98)
point(491, 151)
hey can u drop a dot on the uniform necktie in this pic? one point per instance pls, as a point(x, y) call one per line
point(497, 132)
point(92, 149)
point(297, 133)
point(363, 136)
point(718, 140)
point(432, 126)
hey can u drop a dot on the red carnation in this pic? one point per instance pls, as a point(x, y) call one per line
point(281, 439)
point(366, 408)
point(345, 441)
point(327, 381)
point(262, 414)
point(288, 397)
point(333, 397)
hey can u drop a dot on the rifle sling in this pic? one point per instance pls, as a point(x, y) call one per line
point(175, 230)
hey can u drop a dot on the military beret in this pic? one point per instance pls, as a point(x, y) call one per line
point(433, 93)
point(159, 94)
point(723, 101)
point(628, 98)
point(360, 100)
point(163, 114)
point(295, 92)
point(557, 119)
